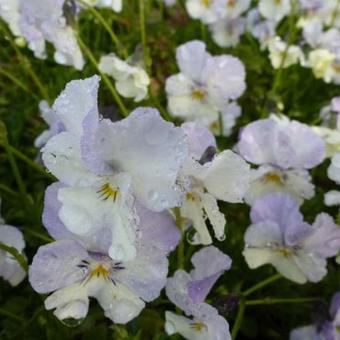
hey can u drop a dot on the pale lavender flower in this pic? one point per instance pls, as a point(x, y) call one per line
point(278, 235)
point(105, 166)
point(75, 268)
point(205, 85)
point(284, 151)
point(208, 177)
point(10, 269)
point(39, 24)
point(326, 329)
point(188, 292)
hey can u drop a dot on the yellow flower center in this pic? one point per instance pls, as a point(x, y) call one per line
point(336, 68)
point(273, 177)
point(100, 271)
point(106, 191)
point(198, 94)
point(231, 3)
point(286, 252)
point(191, 196)
point(206, 3)
point(197, 326)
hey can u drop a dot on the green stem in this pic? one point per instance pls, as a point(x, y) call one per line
point(180, 248)
point(143, 32)
point(203, 32)
point(107, 27)
point(334, 14)
point(15, 169)
point(27, 65)
point(31, 163)
point(11, 315)
point(15, 253)
point(18, 82)
point(239, 319)
point(262, 284)
point(104, 77)
point(271, 301)
point(38, 235)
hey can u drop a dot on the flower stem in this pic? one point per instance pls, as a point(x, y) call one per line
point(11, 315)
point(30, 163)
point(334, 14)
point(262, 284)
point(104, 76)
point(107, 27)
point(271, 301)
point(143, 32)
point(239, 318)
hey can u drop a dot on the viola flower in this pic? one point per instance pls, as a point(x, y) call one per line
point(131, 79)
point(73, 269)
point(333, 197)
point(284, 153)
point(279, 236)
point(326, 329)
point(116, 5)
point(188, 292)
point(205, 85)
point(281, 55)
point(231, 9)
point(104, 167)
point(274, 10)
point(10, 269)
point(329, 130)
point(39, 24)
point(208, 178)
point(262, 30)
point(227, 33)
point(204, 10)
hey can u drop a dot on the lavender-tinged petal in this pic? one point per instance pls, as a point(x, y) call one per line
point(55, 266)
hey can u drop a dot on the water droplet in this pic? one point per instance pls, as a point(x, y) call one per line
point(71, 322)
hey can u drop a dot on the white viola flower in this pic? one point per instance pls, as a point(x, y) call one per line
point(262, 30)
point(333, 197)
point(205, 85)
point(321, 62)
point(39, 24)
point(103, 166)
point(227, 33)
point(205, 10)
point(280, 148)
point(9, 12)
point(74, 268)
point(116, 5)
point(231, 9)
point(274, 9)
point(132, 81)
point(279, 236)
point(208, 177)
point(10, 269)
point(188, 292)
point(282, 55)
point(329, 131)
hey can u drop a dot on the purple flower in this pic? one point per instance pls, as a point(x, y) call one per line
point(74, 269)
point(188, 292)
point(284, 151)
point(278, 235)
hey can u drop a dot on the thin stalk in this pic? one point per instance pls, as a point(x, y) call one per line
point(107, 27)
point(18, 82)
point(15, 170)
point(27, 65)
point(180, 248)
point(31, 163)
point(104, 77)
point(203, 32)
point(38, 235)
point(271, 301)
point(143, 31)
point(262, 284)
point(334, 14)
point(239, 319)
point(11, 315)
